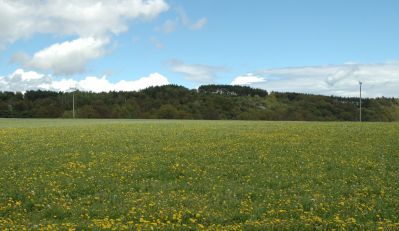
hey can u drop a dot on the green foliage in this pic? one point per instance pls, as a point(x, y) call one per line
point(233, 90)
point(211, 102)
point(198, 175)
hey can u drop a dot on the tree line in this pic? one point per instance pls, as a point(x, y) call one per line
point(211, 102)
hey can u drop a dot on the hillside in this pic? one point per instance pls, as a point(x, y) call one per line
point(208, 102)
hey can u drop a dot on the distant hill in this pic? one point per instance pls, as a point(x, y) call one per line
point(207, 102)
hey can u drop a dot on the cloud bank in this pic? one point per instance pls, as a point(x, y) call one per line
point(23, 81)
point(380, 79)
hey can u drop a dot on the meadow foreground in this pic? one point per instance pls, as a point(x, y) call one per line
point(210, 175)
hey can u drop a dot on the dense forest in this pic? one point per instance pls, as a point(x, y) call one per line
point(207, 102)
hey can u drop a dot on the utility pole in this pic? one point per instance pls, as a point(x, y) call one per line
point(360, 111)
point(73, 104)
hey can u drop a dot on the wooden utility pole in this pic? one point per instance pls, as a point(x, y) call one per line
point(73, 104)
point(360, 111)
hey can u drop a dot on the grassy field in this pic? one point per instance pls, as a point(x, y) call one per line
point(225, 175)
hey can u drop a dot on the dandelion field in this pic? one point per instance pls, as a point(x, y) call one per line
point(198, 175)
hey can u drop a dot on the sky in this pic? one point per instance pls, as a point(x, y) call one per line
point(307, 46)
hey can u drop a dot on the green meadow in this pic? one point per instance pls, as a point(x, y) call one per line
point(198, 175)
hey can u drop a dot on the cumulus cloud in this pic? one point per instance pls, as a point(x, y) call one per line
point(23, 81)
point(154, 79)
point(196, 72)
point(65, 58)
point(102, 84)
point(381, 79)
point(24, 18)
point(92, 21)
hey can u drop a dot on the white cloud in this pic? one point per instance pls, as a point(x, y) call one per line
point(60, 85)
point(88, 18)
point(342, 80)
point(102, 84)
point(247, 79)
point(92, 21)
point(23, 81)
point(197, 72)
point(186, 21)
point(154, 79)
point(65, 58)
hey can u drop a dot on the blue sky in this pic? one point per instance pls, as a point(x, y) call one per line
point(321, 47)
